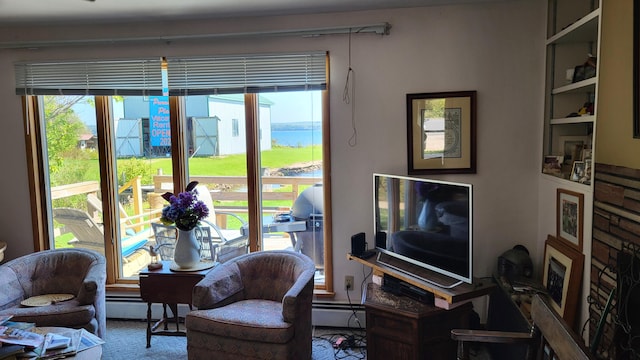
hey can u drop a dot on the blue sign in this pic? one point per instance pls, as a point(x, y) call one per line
point(159, 124)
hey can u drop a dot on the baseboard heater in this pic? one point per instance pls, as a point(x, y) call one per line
point(330, 314)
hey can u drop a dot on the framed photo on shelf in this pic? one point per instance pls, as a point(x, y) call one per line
point(577, 171)
point(570, 217)
point(441, 133)
point(586, 178)
point(571, 147)
point(562, 277)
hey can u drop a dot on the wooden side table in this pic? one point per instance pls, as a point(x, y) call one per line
point(401, 328)
point(169, 288)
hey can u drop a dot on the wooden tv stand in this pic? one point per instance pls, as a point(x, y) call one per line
point(399, 327)
point(459, 293)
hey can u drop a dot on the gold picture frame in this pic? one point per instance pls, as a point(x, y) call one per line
point(441, 133)
point(562, 277)
point(570, 218)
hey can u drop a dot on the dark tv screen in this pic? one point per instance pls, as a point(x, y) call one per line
point(425, 222)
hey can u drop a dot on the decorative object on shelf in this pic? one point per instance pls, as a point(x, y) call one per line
point(553, 165)
point(185, 212)
point(586, 109)
point(578, 73)
point(441, 132)
point(586, 70)
point(570, 217)
point(562, 277)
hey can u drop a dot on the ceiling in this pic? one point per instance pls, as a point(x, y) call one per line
point(22, 12)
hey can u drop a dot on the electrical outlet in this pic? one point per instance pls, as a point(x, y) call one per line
point(348, 282)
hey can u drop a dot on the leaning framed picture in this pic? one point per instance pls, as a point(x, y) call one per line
point(562, 277)
point(570, 217)
point(441, 132)
point(577, 171)
point(571, 147)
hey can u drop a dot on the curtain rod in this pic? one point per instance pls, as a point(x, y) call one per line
point(378, 29)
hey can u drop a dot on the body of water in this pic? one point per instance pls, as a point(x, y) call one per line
point(303, 137)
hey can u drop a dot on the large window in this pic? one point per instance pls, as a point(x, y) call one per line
point(104, 159)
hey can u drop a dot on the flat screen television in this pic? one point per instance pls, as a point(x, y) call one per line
point(426, 223)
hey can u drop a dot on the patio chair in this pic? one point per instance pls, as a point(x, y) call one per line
point(90, 235)
point(218, 233)
point(165, 236)
point(210, 248)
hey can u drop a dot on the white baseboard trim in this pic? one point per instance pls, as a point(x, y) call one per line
point(330, 314)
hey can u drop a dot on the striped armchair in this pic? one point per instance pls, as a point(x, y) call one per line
point(255, 306)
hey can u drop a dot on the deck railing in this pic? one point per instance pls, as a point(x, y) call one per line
point(223, 189)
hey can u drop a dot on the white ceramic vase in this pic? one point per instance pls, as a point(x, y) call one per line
point(187, 251)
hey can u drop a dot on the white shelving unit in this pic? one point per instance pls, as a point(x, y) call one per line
point(573, 35)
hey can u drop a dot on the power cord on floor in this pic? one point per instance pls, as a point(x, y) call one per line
point(347, 345)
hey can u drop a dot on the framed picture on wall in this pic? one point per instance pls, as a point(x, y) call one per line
point(441, 133)
point(562, 276)
point(570, 217)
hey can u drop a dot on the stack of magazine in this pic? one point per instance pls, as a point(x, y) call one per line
point(23, 340)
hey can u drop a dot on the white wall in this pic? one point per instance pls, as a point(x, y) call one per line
point(494, 48)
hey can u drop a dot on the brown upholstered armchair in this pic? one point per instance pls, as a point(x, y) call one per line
point(78, 272)
point(255, 306)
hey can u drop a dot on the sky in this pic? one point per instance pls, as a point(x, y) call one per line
point(295, 106)
point(287, 107)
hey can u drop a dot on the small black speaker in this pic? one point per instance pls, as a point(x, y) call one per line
point(358, 244)
point(381, 240)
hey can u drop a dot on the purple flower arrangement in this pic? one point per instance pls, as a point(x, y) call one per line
point(184, 210)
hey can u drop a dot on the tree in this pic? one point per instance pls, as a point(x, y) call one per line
point(63, 127)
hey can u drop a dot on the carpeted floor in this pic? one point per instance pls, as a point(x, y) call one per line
point(126, 339)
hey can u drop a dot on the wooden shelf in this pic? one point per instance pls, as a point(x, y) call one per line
point(459, 293)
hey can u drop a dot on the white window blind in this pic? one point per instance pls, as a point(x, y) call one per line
point(247, 73)
point(231, 74)
point(90, 77)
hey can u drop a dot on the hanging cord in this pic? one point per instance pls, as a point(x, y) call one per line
point(348, 96)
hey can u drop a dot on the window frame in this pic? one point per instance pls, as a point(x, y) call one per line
point(43, 230)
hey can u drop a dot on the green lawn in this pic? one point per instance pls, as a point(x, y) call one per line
point(229, 165)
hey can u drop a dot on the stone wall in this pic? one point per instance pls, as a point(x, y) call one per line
point(616, 228)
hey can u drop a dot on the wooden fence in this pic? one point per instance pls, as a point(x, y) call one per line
point(222, 188)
